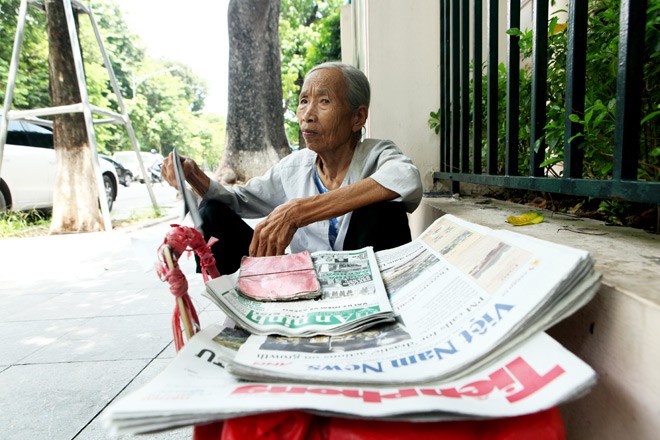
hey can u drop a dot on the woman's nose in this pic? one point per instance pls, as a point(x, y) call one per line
point(309, 113)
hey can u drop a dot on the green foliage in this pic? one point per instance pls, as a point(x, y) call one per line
point(211, 131)
point(309, 35)
point(524, 128)
point(614, 211)
point(32, 78)
point(169, 97)
point(434, 121)
point(600, 101)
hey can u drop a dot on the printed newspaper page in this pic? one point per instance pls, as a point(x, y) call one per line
point(353, 297)
point(195, 388)
point(461, 294)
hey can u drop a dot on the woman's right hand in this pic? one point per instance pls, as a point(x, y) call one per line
point(274, 233)
point(167, 171)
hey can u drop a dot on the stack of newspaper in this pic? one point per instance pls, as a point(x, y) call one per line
point(353, 298)
point(196, 389)
point(470, 304)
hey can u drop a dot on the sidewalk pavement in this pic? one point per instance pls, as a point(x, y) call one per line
point(84, 320)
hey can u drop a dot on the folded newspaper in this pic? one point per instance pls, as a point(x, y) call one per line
point(470, 307)
point(195, 389)
point(353, 297)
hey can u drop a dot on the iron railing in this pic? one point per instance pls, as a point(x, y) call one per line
point(461, 151)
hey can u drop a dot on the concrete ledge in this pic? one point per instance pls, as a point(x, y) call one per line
point(615, 333)
point(628, 258)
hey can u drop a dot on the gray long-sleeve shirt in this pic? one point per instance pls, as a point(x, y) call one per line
point(293, 178)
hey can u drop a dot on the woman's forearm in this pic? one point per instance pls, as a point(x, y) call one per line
point(341, 201)
point(274, 233)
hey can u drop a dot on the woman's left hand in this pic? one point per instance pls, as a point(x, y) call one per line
point(275, 232)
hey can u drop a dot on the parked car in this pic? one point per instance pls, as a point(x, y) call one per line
point(130, 160)
point(125, 175)
point(27, 176)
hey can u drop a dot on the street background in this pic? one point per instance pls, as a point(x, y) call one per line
point(135, 199)
point(85, 320)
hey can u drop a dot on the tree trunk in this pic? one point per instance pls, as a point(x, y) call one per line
point(255, 116)
point(75, 198)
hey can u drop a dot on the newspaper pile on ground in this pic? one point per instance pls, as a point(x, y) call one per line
point(471, 305)
point(353, 298)
point(196, 389)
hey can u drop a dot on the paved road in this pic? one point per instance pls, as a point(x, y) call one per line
point(135, 199)
point(84, 320)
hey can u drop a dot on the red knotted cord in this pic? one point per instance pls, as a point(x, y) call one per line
point(180, 240)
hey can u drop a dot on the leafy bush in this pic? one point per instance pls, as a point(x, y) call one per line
point(166, 109)
point(600, 100)
point(309, 35)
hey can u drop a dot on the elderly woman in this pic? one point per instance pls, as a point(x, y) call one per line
point(339, 193)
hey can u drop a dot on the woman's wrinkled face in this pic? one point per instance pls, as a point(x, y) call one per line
point(324, 114)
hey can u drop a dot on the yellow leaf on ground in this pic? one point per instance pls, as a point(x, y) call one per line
point(529, 218)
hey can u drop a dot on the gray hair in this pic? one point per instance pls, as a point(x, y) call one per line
point(358, 90)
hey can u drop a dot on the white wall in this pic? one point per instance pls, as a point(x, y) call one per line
point(559, 9)
point(347, 34)
point(402, 63)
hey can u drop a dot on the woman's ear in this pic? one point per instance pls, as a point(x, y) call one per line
point(360, 118)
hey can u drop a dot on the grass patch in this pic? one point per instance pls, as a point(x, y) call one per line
point(24, 224)
point(36, 223)
point(137, 216)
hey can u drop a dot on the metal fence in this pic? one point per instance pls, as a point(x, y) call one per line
point(461, 135)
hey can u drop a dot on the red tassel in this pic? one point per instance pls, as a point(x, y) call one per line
point(182, 239)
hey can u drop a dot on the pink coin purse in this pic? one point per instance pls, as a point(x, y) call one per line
point(280, 278)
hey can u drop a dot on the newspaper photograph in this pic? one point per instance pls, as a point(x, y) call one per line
point(461, 295)
point(353, 298)
point(195, 388)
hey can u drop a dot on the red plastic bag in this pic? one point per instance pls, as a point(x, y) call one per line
point(296, 425)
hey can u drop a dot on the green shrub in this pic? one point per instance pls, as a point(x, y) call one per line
point(600, 100)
